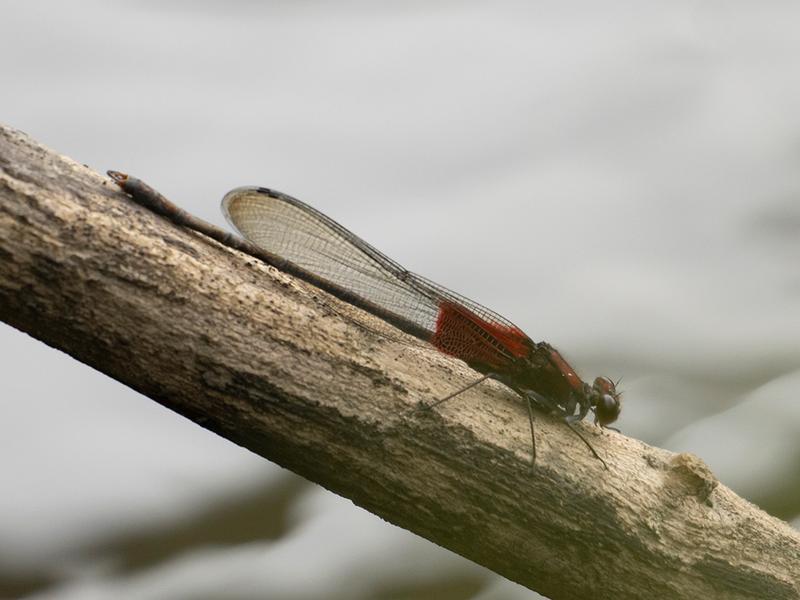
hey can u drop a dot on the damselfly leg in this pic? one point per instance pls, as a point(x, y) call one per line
point(424, 406)
point(528, 402)
point(531, 397)
point(570, 420)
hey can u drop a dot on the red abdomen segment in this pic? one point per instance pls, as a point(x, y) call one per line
point(465, 335)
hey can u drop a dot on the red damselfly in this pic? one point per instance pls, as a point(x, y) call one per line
point(301, 241)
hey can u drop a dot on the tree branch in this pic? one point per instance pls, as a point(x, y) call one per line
point(258, 357)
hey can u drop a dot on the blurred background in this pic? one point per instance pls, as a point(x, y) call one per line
point(621, 180)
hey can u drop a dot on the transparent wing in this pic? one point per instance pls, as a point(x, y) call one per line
point(301, 234)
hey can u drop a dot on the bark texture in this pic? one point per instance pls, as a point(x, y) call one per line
point(261, 359)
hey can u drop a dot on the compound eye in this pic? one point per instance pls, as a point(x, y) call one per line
point(607, 409)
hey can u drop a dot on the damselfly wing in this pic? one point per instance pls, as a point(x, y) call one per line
point(306, 237)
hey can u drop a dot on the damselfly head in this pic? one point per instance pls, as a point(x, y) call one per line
point(606, 401)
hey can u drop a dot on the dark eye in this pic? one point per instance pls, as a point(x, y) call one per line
point(607, 409)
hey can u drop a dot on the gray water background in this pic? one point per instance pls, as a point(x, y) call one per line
point(620, 179)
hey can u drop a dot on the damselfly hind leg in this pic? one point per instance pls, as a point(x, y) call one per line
point(529, 404)
point(570, 420)
point(530, 398)
point(423, 406)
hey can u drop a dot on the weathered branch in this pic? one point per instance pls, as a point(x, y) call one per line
point(256, 356)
